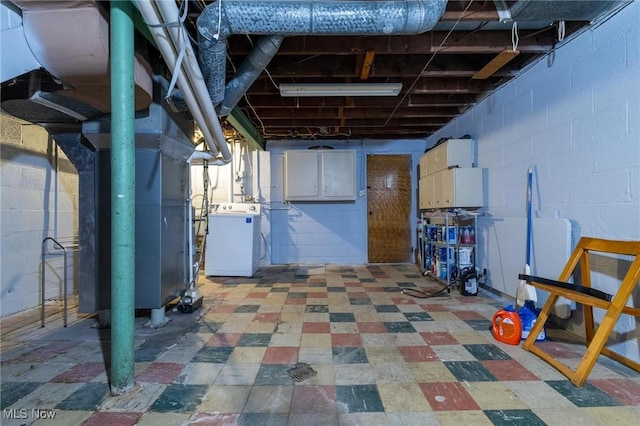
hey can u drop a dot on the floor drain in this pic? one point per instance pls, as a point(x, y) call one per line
point(301, 372)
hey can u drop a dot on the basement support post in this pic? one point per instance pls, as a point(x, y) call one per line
point(122, 199)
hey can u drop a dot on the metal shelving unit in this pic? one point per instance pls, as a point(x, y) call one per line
point(447, 244)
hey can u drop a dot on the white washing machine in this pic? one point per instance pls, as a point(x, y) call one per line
point(233, 242)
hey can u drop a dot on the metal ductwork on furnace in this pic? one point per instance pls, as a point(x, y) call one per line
point(278, 19)
point(162, 207)
point(70, 39)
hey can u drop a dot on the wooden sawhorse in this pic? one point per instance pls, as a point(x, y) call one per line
point(614, 305)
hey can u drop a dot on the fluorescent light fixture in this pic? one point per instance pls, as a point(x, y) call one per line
point(346, 89)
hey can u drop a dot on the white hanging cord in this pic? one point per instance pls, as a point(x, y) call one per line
point(265, 70)
point(176, 69)
point(217, 34)
point(424, 69)
point(514, 35)
point(561, 31)
point(184, 39)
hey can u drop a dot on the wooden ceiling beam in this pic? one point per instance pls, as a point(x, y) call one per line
point(424, 113)
point(385, 66)
point(435, 100)
point(489, 41)
point(367, 62)
point(495, 64)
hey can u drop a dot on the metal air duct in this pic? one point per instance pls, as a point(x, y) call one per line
point(296, 18)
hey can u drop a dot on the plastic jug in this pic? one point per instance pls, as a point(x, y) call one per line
point(507, 327)
point(528, 315)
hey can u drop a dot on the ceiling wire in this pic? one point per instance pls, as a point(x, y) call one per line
point(431, 58)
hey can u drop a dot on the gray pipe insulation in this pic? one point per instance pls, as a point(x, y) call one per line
point(296, 18)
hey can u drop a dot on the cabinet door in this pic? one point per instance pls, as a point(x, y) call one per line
point(425, 189)
point(448, 187)
point(433, 159)
point(461, 187)
point(338, 174)
point(468, 186)
point(423, 165)
point(300, 175)
point(437, 190)
point(428, 192)
point(453, 153)
point(458, 153)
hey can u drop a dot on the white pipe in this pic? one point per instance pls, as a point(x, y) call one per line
point(195, 155)
point(200, 155)
point(150, 16)
point(190, 66)
point(204, 115)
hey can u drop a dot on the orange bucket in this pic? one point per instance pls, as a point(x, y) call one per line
point(507, 327)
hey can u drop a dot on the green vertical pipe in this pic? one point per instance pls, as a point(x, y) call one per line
point(122, 199)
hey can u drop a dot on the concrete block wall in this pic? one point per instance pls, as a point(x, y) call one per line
point(575, 116)
point(38, 199)
point(333, 233)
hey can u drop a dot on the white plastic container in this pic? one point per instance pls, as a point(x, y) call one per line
point(464, 255)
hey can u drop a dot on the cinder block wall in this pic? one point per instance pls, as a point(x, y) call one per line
point(39, 198)
point(323, 232)
point(576, 117)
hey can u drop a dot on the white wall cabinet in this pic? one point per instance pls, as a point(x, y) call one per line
point(320, 175)
point(452, 153)
point(447, 178)
point(451, 188)
point(461, 187)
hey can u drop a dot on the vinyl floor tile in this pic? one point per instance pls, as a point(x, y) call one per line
point(457, 418)
point(139, 400)
point(403, 397)
point(448, 397)
point(314, 399)
point(213, 354)
point(224, 399)
point(237, 374)
point(513, 417)
point(179, 398)
point(107, 418)
point(268, 419)
point(269, 399)
point(625, 391)
point(494, 396)
point(508, 370)
point(255, 339)
point(380, 357)
point(358, 399)
point(11, 392)
point(87, 398)
point(349, 355)
point(470, 371)
point(586, 396)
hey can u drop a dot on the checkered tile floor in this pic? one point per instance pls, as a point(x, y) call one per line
point(381, 358)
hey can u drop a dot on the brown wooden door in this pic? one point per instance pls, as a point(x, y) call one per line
point(388, 208)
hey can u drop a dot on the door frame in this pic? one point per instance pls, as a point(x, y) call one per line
point(412, 201)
